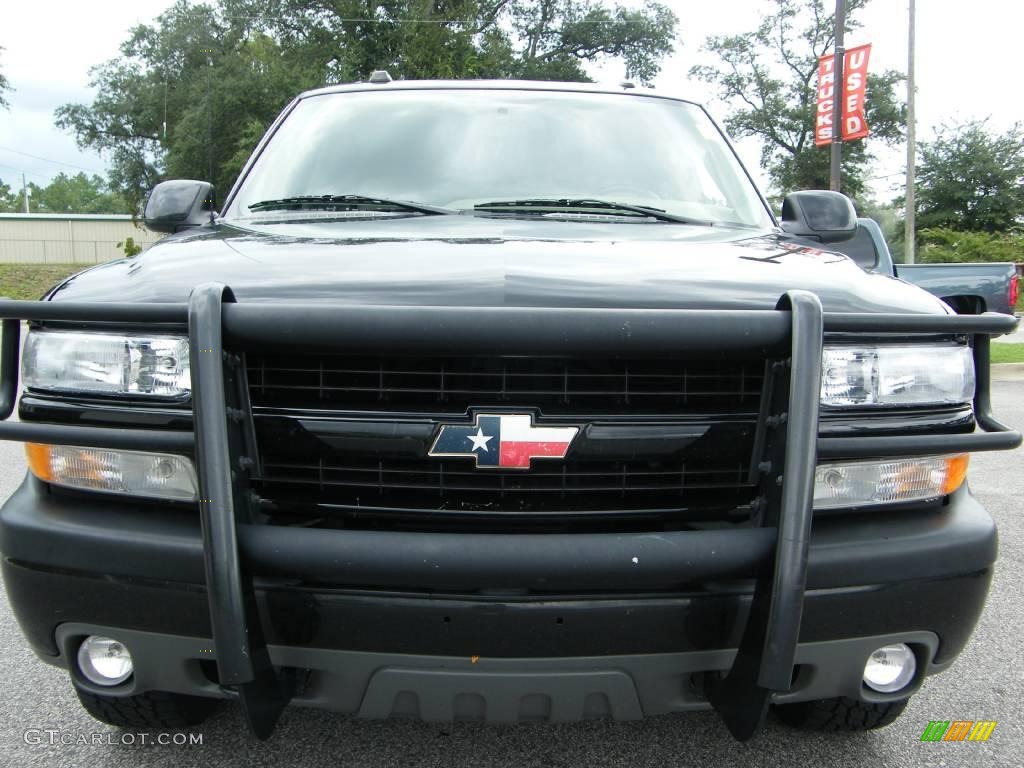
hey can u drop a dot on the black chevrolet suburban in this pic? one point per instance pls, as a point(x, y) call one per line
point(501, 401)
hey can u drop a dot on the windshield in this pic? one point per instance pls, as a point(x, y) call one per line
point(458, 148)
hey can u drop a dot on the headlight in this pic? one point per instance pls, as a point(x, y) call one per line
point(856, 483)
point(107, 363)
point(925, 374)
point(158, 475)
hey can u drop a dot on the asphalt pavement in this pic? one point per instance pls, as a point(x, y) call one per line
point(986, 683)
point(1017, 337)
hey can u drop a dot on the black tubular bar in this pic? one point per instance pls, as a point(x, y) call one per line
point(164, 441)
point(916, 445)
point(10, 349)
point(94, 312)
point(243, 662)
point(885, 323)
point(797, 493)
point(223, 446)
point(537, 330)
point(216, 502)
point(983, 391)
point(764, 660)
point(534, 561)
point(303, 323)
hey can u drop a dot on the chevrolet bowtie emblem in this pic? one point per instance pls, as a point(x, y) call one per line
point(503, 441)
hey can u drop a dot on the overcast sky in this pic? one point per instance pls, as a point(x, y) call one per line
point(963, 64)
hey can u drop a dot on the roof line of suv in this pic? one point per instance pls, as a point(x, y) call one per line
point(508, 85)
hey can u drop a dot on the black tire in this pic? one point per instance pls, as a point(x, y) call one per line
point(152, 710)
point(840, 714)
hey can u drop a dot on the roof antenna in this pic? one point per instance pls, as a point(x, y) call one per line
point(380, 76)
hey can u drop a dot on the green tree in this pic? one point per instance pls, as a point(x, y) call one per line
point(8, 198)
point(972, 179)
point(12, 199)
point(176, 100)
point(416, 39)
point(940, 245)
point(768, 78)
point(5, 86)
point(79, 194)
point(64, 194)
point(191, 94)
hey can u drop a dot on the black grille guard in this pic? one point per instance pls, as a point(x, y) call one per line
point(224, 446)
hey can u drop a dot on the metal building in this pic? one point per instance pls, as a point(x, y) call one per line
point(64, 238)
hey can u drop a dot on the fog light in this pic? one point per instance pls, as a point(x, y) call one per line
point(104, 661)
point(890, 668)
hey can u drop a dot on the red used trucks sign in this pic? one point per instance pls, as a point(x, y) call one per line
point(855, 75)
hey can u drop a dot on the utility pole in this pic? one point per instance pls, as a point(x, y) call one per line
point(24, 192)
point(910, 220)
point(837, 102)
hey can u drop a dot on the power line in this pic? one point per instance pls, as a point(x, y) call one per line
point(885, 176)
point(48, 160)
point(18, 170)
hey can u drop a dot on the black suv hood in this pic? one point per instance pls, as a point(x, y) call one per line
point(494, 261)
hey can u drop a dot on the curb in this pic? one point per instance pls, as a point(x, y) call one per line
point(1008, 371)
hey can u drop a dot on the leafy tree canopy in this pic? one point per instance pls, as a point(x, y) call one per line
point(191, 94)
point(972, 179)
point(64, 194)
point(768, 77)
point(941, 245)
point(8, 198)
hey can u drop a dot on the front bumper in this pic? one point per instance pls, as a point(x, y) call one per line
point(755, 577)
point(75, 566)
point(377, 685)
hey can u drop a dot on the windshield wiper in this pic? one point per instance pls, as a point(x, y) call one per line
point(543, 206)
point(346, 203)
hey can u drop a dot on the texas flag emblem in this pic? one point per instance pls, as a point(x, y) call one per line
point(503, 441)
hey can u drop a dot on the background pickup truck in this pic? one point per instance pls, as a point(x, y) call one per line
point(970, 289)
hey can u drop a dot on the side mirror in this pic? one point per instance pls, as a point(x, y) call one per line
point(181, 204)
point(828, 217)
